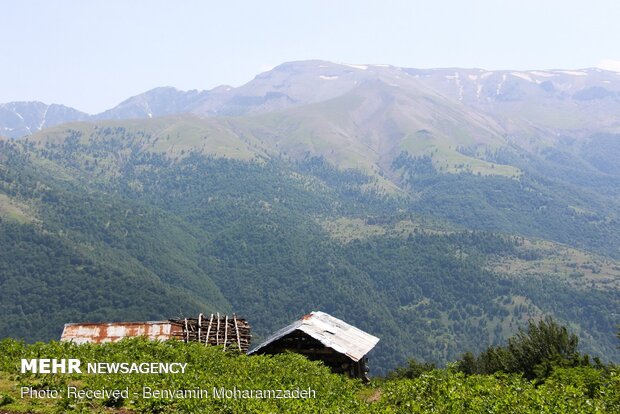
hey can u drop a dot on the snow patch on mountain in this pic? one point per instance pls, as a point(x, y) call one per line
point(610, 65)
point(457, 82)
point(543, 74)
point(457, 79)
point(523, 76)
point(43, 119)
point(499, 85)
point(361, 67)
point(573, 72)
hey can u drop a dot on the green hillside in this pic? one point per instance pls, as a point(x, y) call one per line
point(186, 232)
point(72, 254)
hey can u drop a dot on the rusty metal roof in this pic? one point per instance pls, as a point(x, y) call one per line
point(111, 332)
point(331, 332)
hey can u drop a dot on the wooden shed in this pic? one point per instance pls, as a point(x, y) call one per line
point(219, 330)
point(80, 333)
point(320, 336)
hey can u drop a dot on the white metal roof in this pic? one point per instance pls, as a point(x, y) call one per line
point(331, 332)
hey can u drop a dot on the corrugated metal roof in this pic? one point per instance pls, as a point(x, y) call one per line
point(331, 332)
point(111, 332)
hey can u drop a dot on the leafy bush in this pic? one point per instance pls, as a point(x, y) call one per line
point(414, 369)
point(445, 392)
point(534, 353)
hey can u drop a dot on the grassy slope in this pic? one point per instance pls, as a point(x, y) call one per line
point(13, 210)
point(567, 390)
point(368, 126)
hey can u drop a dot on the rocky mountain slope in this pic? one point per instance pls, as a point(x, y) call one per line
point(568, 100)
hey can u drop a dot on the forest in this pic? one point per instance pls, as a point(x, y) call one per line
point(206, 234)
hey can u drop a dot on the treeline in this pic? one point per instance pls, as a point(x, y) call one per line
point(534, 353)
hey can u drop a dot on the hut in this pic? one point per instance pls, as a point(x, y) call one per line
point(320, 336)
point(81, 333)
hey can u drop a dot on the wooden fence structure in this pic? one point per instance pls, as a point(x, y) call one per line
point(215, 329)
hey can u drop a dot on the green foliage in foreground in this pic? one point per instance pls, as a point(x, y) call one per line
point(207, 368)
point(569, 391)
point(535, 353)
point(577, 390)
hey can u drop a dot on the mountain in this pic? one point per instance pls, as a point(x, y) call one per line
point(154, 103)
point(370, 125)
point(24, 118)
point(521, 102)
point(535, 103)
point(377, 194)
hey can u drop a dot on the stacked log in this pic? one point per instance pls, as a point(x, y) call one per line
point(215, 329)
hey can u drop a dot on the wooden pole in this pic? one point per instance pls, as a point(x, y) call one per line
point(225, 332)
point(237, 330)
point(209, 330)
point(186, 331)
point(199, 326)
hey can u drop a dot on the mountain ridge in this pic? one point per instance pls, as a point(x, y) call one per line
point(305, 82)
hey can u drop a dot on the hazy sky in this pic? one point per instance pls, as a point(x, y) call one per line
point(93, 54)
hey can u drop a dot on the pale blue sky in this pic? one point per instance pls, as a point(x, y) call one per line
point(93, 54)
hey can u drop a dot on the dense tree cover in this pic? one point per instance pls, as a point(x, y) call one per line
point(536, 204)
point(46, 281)
point(92, 257)
point(595, 310)
point(603, 152)
point(566, 390)
point(219, 234)
point(439, 286)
